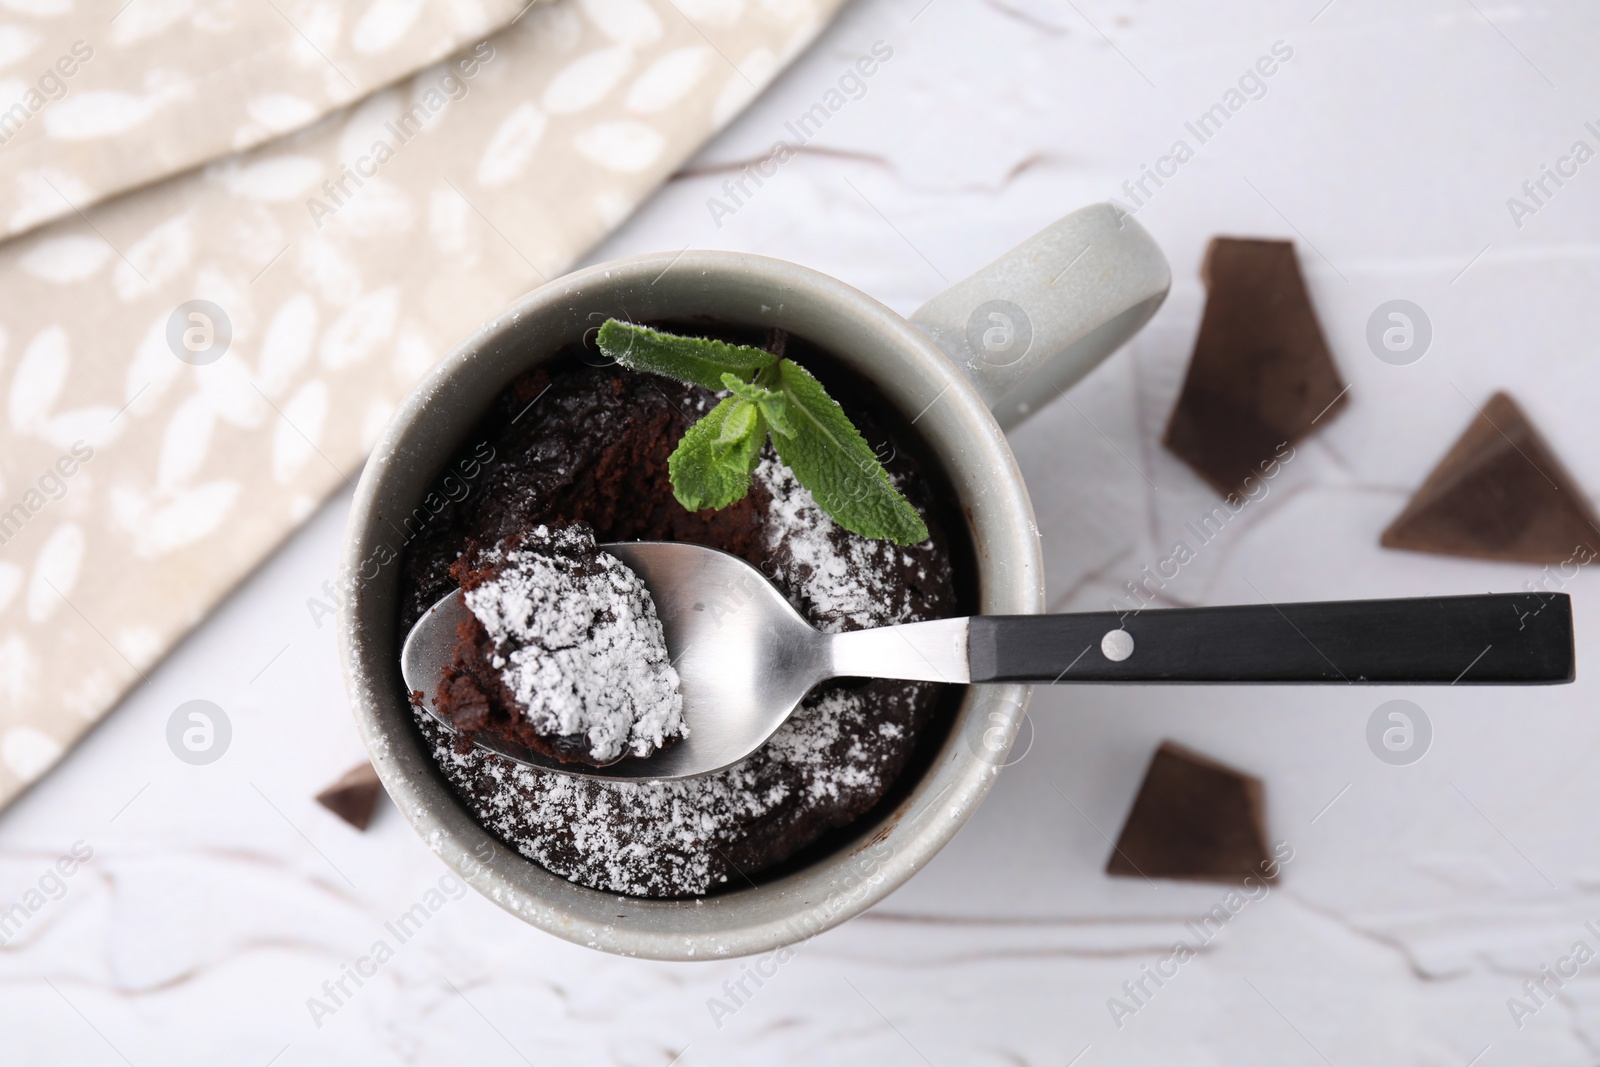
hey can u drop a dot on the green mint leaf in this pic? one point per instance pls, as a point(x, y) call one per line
point(774, 405)
point(738, 424)
point(831, 458)
point(711, 466)
point(697, 360)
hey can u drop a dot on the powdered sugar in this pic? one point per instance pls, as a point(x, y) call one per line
point(825, 767)
point(578, 644)
point(844, 586)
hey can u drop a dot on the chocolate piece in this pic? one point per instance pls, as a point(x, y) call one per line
point(1193, 818)
point(353, 796)
point(1261, 374)
point(1499, 493)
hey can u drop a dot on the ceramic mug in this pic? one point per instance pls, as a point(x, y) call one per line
point(971, 362)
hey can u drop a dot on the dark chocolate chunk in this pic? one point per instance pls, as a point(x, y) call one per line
point(1261, 375)
point(1193, 818)
point(353, 797)
point(1499, 493)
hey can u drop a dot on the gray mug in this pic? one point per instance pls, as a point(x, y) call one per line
point(970, 363)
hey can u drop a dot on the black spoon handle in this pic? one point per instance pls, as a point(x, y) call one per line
point(1493, 639)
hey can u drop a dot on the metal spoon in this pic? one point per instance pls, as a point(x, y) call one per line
point(745, 658)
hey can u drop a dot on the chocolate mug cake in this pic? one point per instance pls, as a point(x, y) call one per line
point(582, 444)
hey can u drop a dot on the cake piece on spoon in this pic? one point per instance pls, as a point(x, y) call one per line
point(563, 652)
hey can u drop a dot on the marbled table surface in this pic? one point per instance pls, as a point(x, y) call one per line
point(1419, 899)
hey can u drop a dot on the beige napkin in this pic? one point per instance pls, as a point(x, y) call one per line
point(137, 487)
point(103, 99)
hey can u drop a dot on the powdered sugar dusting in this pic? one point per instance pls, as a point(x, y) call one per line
point(841, 589)
point(825, 767)
point(578, 644)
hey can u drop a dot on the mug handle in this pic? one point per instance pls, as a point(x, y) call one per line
point(1029, 325)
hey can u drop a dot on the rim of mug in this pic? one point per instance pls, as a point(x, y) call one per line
point(430, 426)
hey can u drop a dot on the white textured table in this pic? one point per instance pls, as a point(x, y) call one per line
point(1420, 898)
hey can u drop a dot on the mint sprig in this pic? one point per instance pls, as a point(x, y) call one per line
point(696, 360)
point(711, 466)
point(769, 396)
